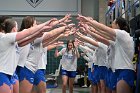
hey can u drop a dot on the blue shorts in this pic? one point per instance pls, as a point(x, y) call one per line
point(138, 80)
point(39, 76)
point(14, 78)
point(70, 74)
point(95, 75)
point(18, 70)
point(4, 78)
point(89, 74)
point(113, 81)
point(102, 72)
point(127, 75)
point(27, 74)
point(107, 78)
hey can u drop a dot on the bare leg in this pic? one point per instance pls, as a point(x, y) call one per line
point(64, 79)
point(103, 88)
point(41, 87)
point(123, 87)
point(94, 89)
point(5, 89)
point(71, 82)
point(34, 89)
point(25, 86)
point(16, 87)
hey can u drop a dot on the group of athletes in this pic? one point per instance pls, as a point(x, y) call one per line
point(108, 50)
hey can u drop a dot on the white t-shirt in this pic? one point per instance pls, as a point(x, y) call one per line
point(43, 61)
point(35, 55)
point(124, 50)
point(111, 53)
point(23, 52)
point(89, 55)
point(101, 54)
point(68, 61)
point(8, 53)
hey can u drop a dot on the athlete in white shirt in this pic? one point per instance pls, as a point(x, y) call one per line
point(8, 51)
point(69, 64)
point(122, 65)
point(35, 53)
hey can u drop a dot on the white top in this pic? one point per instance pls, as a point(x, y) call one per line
point(43, 61)
point(111, 54)
point(101, 54)
point(68, 61)
point(23, 52)
point(34, 56)
point(89, 55)
point(124, 50)
point(8, 53)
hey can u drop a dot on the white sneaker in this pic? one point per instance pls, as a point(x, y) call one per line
point(90, 86)
point(85, 86)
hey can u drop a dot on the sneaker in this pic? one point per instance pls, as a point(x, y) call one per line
point(90, 86)
point(85, 86)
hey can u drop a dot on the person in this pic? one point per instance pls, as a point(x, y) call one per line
point(123, 56)
point(88, 55)
point(40, 80)
point(35, 53)
point(69, 64)
point(8, 44)
point(2, 19)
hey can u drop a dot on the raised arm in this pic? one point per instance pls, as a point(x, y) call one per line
point(27, 32)
point(87, 39)
point(54, 45)
point(98, 25)
point(96, 36)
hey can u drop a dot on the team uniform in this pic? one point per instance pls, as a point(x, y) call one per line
point(89, 57)
point(95, 75)
point(122, 65)
point(40, 73)
point(69, 63)
point(8, 45)
point(102, 60)
point(111, 79)
point(31, 64)
point(23, 52)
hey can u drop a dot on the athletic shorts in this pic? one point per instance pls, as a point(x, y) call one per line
point(4, 78)
point(89, 74)
point(70, 74)
point(102, 70)
point(95, 75)
point(113, 80)
point(107, 78)
point(127, 75)
point(27, 74)
point(14, 78)
point(39, 76)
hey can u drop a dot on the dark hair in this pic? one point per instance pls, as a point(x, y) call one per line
point(67, 50)
point(27, 22)
point(123, 24)
point(8, 25)
point(2, 19)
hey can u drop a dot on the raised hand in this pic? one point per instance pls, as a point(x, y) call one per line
point(50, 22)
point(59, 43)
point(69, 26)
point(82, 18)
point(66, 19)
